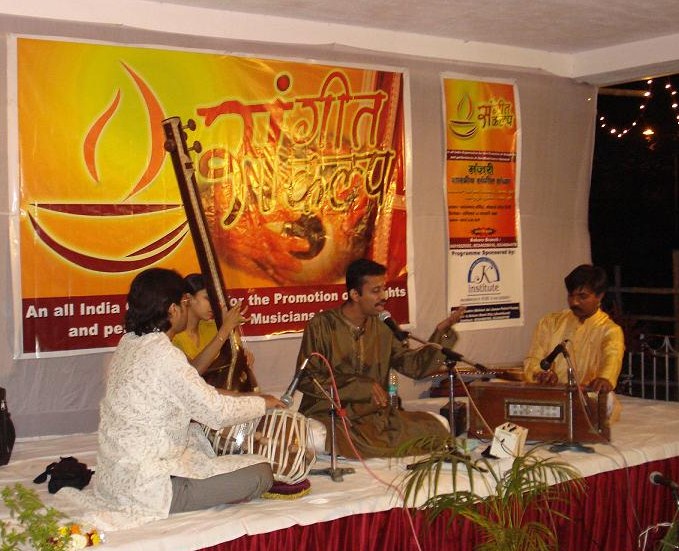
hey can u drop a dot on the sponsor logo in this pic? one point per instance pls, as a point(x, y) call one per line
point(483, 277)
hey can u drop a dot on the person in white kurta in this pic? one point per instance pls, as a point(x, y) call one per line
point(149, 450)
point(152, 395)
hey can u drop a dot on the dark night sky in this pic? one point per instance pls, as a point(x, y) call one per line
point(633, 214)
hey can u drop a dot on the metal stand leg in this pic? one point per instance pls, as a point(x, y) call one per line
point(452, 453)
point(452, 373)
point(570, 445)
point(334, 472)
point(451, 397)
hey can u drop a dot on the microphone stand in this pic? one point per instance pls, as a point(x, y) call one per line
point(450, 362)
point(451, 365)
point(336, 473)
point(571, 388)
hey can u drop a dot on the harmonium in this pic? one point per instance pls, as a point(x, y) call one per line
point(543, 410)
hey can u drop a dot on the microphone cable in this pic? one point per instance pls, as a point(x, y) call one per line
point(625, 465)
point(342, 415)
point(592, 428)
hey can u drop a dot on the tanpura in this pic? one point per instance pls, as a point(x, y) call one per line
point(230, 369)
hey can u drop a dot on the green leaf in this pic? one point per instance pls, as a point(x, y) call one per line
point(38, 525)
point(532, 482)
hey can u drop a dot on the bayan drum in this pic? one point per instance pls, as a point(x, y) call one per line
point(282, 436)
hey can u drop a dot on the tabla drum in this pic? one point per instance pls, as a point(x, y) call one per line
point(284, 438)
point(233, 439)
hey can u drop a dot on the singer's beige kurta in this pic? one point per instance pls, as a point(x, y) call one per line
point(596, 346)
point(358, 357)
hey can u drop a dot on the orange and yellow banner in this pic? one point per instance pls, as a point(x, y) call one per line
point(482, 150)
point(301, 170)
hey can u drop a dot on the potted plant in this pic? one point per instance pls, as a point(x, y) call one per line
point(506, 516)
point(671, 540)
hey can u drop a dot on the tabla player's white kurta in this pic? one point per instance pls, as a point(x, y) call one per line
point(146, 434)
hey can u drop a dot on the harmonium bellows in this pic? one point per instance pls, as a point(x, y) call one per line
point(543, 410)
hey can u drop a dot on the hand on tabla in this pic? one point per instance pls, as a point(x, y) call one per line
point(272, 402)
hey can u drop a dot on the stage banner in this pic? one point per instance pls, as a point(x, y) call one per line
point(482, 129)
point(301, 170)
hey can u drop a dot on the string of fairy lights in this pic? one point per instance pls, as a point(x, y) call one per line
point(637, 120)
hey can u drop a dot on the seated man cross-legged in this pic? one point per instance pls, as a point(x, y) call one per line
point(594, 342)
point(152, 460)
point(361, 350)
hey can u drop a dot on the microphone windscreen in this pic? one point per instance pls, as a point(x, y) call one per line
point(656, 478)
point(384, 314)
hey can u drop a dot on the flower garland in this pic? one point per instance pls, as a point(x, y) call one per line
point(77, 536)
point(32, 523)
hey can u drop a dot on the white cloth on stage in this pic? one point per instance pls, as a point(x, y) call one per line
point(637, 438)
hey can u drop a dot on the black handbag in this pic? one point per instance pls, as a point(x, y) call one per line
point(7, 434)
point(67, 472)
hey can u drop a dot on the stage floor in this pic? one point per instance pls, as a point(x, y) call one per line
point(648, 430)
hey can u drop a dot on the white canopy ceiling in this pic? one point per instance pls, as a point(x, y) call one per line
point(607, 41)
point(563, 26)
point(597, 41)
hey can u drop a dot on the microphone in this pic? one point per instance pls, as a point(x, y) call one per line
point(548, 360)
point(287, 395)
point(457, 357)
point(395, 329)
point(659, 480)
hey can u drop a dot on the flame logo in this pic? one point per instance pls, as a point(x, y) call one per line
point(147, 254)
point(462, 125)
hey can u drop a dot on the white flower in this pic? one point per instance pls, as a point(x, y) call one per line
point(77, 541)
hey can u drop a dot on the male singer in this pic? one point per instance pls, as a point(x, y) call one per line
point(594, 341)
point(361, 349)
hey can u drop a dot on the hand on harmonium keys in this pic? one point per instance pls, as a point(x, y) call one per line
point(601, 385)
point(546, 377)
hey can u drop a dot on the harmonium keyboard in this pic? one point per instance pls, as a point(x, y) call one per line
point(543, 410)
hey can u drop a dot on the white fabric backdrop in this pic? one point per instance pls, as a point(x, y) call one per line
point(61, 395)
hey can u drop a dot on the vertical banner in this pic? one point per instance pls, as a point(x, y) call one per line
point(482, 131)
point(301, 171)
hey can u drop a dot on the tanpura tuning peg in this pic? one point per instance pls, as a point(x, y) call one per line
point(190, 124)
point(196, 147)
